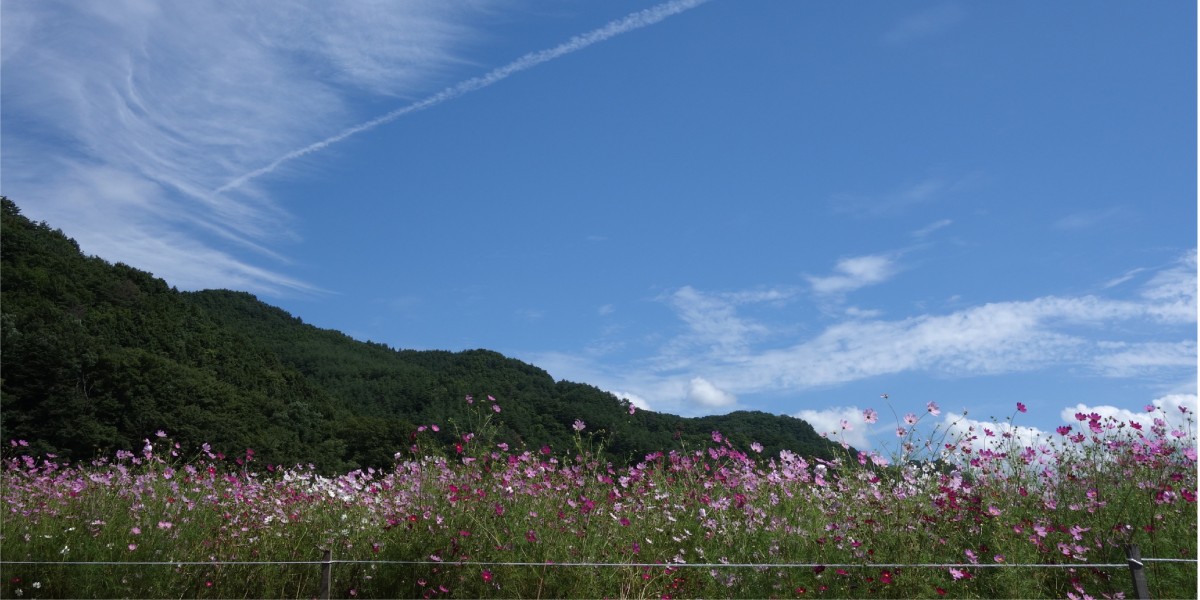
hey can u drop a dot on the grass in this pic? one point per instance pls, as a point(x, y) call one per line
point(450, 522)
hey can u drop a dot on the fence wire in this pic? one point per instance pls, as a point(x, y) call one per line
point(609, 565)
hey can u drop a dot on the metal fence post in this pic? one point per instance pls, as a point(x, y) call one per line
point(1133, 556)
point(326, 573)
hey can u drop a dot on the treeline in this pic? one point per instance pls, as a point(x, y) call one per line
point(95, 356)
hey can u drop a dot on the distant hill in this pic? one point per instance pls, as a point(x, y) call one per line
point(95, 356)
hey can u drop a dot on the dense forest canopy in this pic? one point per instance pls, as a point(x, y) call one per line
point(98, 356)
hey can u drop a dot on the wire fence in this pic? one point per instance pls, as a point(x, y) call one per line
point(1134, 562)
point(473, 563)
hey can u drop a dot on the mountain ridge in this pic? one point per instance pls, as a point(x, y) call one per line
point(97, 356)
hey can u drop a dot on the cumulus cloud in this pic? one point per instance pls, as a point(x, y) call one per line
point(1003, 435)
point(843, 423)
point(1167, 408)
point(633, 399)
point(706, 394)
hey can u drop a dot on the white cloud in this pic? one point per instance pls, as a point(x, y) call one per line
point(854, 273)
point(713, 322)
point(1171, 292)
point(633, 399)
point(854, 312)
point(994, 338)
point(926, 23)
point(1128, 275)
point(1146, 357)
point(1004, 435)
point(1089, 219)
point(932, 227)
point(707, 395)
point(830, 423)
point(174, 107)
point(1166, 408)
point(122, 117)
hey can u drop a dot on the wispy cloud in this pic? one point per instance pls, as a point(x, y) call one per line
point(1134, 359)
point(741, 356)
point(637, 20)
point(903, 198)
point(714, 325)
point(853, 273)
point(122, 117)
point(136, 127)
point(932, 227)
point(1089, 219)
point(924, 24)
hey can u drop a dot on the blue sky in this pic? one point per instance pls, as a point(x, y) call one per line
point(702, 206)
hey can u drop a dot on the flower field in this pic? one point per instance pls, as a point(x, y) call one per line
point(984, 513)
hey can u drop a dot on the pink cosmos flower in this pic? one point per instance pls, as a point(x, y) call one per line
point(579, 425)
point(933, 409)
point(496, 407)
point(757, 447)
point(632, 409)
point(716, 437)
point(1021, 407)
point(910, 419)
point(870, 416)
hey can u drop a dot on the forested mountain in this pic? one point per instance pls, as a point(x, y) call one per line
point(94, 357)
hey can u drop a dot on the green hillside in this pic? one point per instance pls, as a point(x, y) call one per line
point(94, 357)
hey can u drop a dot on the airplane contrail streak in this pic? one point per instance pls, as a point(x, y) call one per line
point(633, 21)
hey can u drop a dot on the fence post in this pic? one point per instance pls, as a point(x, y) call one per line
point(326, 573)
point(1133, 556)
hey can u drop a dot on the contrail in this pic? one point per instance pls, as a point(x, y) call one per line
point(633, 21)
